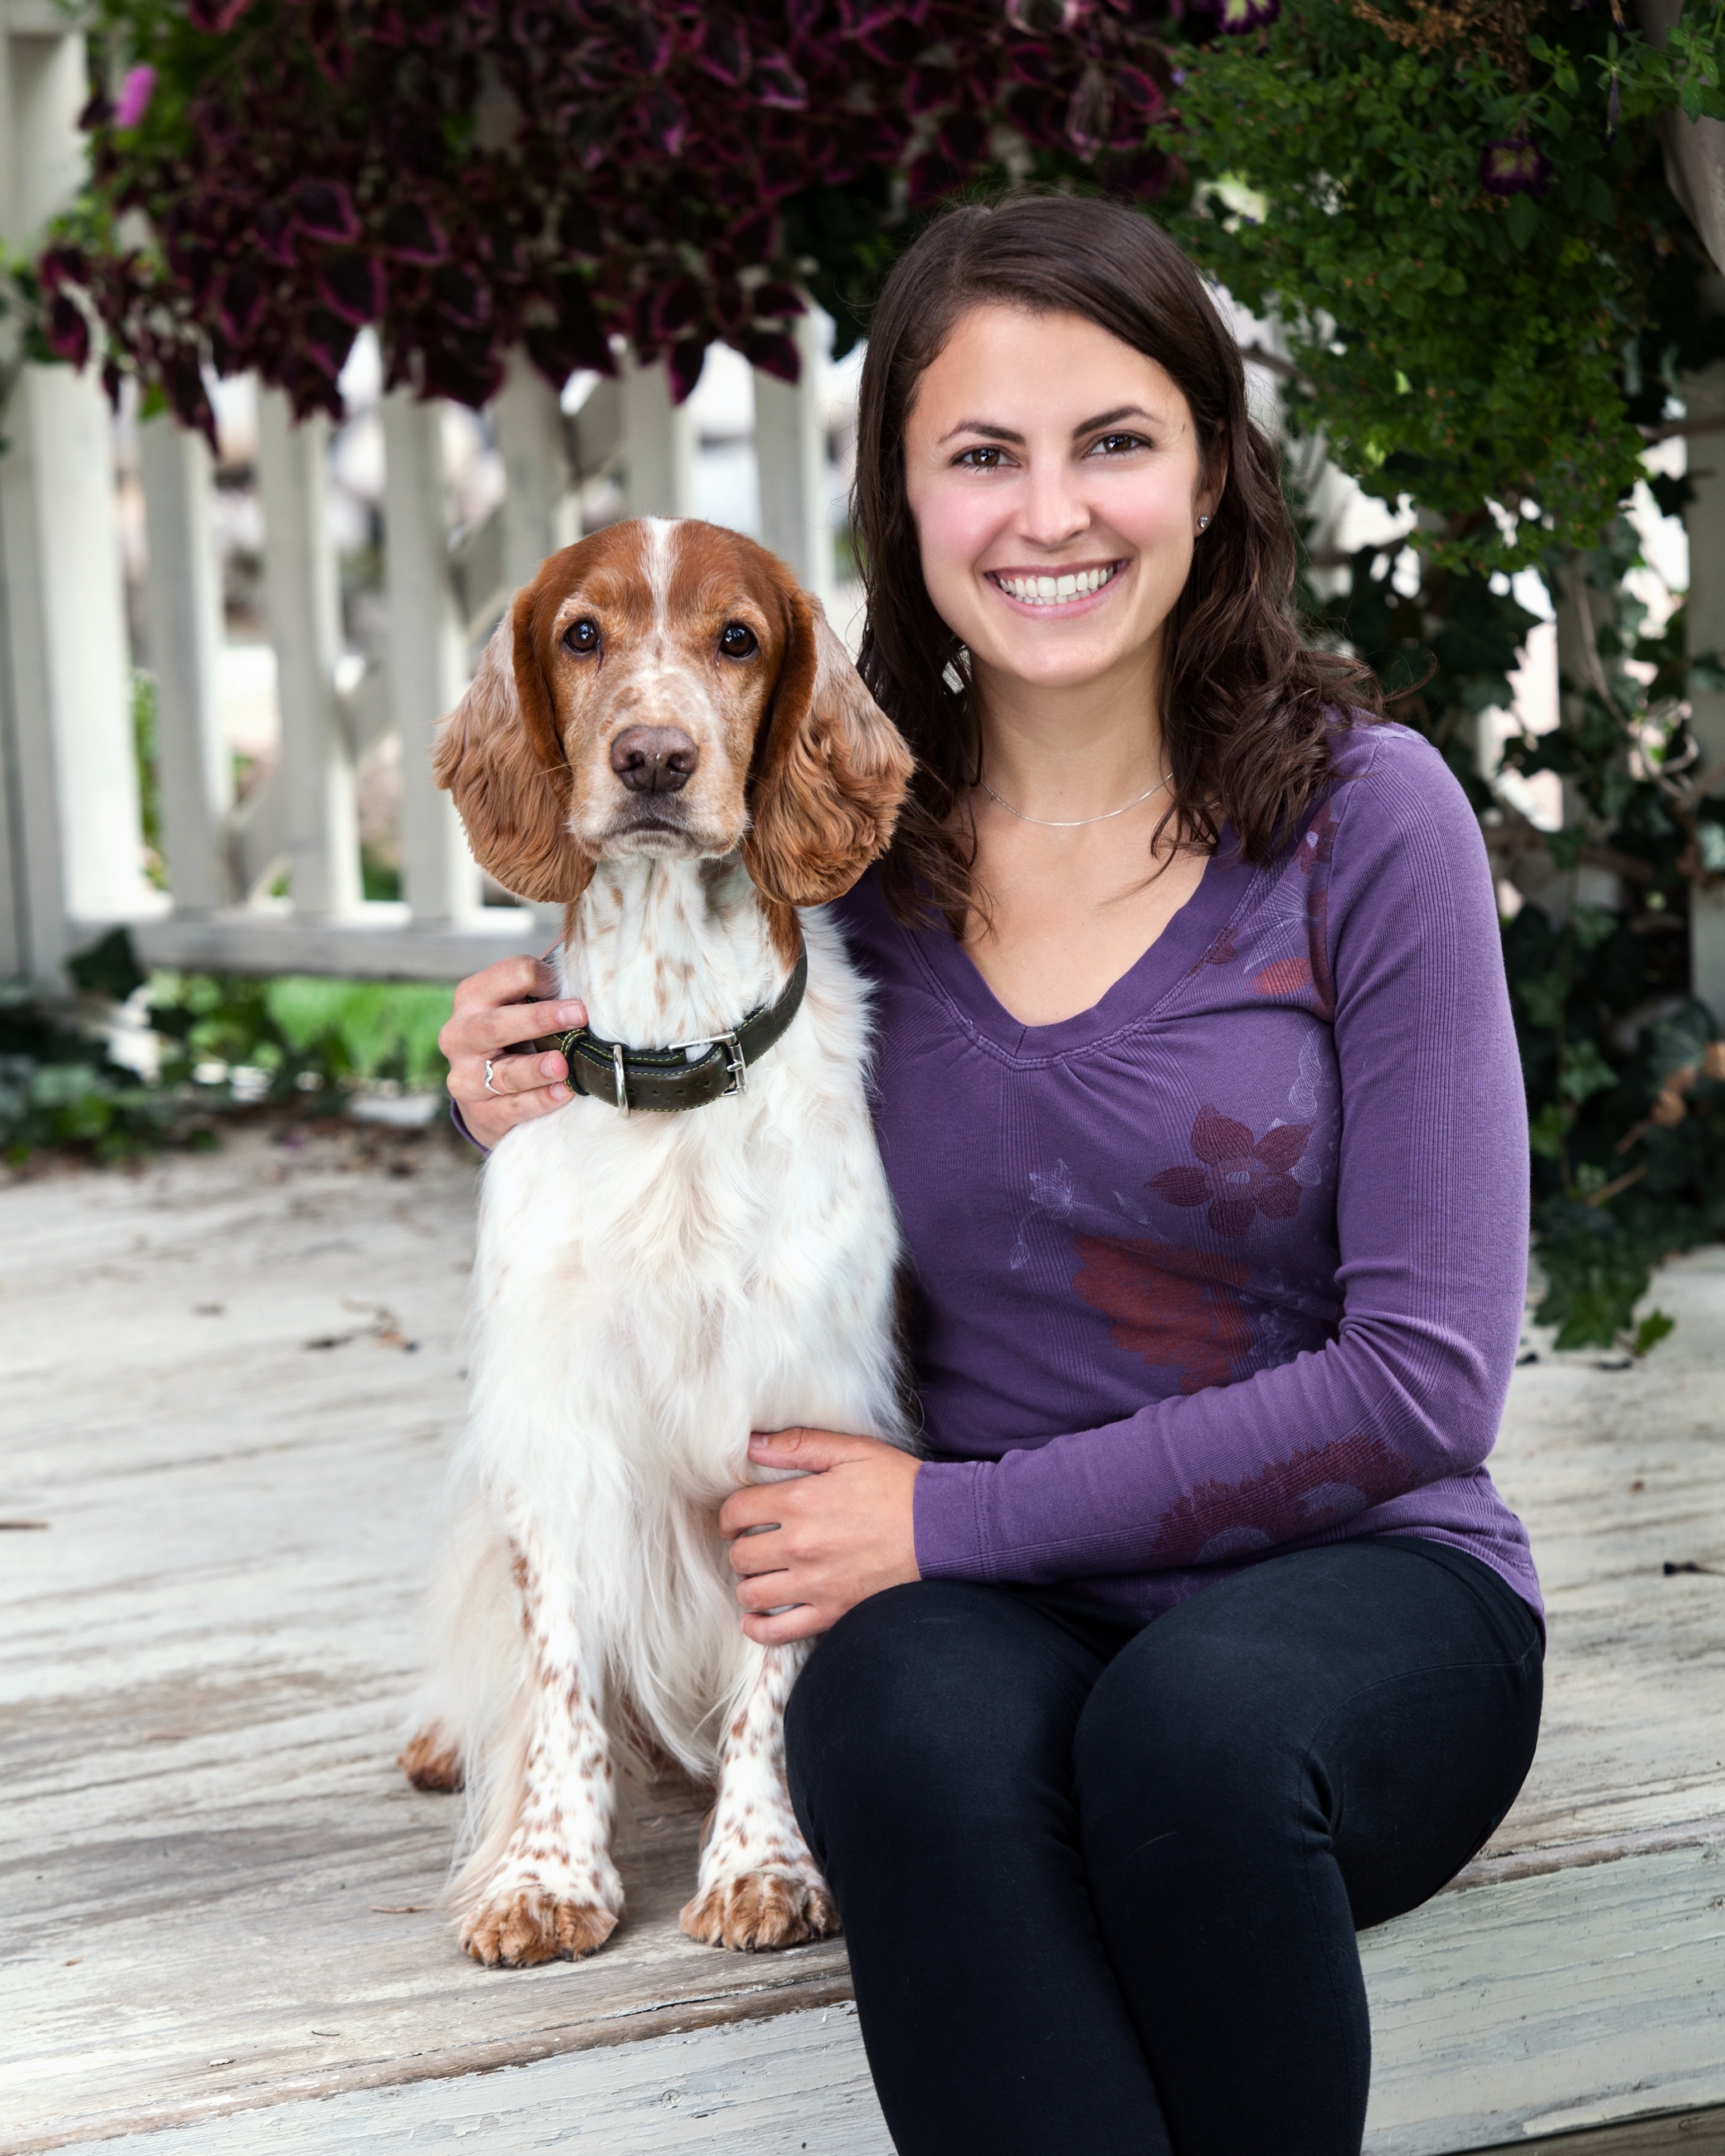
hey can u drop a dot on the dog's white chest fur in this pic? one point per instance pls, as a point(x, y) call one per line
point(672, 1281)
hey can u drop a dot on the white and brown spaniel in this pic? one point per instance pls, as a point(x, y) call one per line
point(665, 735)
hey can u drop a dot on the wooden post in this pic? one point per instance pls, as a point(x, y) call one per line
point(659, 445)
point(303, 597)
point(538, 509)
point(183, 608)
point(791, 452)
point(71, 841)
point(1704, 618)
point(428, 659)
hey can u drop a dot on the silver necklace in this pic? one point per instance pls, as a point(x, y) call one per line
point(1077, 824)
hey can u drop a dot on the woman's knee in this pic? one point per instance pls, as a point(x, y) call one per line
point(932, 1700)
point(1179, 1727)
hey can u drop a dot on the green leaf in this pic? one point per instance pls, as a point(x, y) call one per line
point(1522, 219)
point(1549, 1129)
point(1651, 1329)
point(1544, 998)
point(1565, 846)
point(1592, 925)
point(1593, 1282)
point(1585, 1073)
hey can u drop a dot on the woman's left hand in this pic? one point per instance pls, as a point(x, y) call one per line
point(831, 1538)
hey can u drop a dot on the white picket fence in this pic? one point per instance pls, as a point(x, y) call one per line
point(70, 862)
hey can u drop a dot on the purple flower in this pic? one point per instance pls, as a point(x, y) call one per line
point(1514, 166)
point(134, 94)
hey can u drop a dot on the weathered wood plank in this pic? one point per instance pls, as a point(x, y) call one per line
point(1575, 1999)
point(206, 1855)
point(765, 2088)
point(1669, 2135)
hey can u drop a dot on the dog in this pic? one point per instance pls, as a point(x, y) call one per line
point(665, 735)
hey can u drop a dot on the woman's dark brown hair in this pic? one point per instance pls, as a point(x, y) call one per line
point(1247, 704)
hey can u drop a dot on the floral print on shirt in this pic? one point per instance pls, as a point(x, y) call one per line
point(1310, 971)
point(1175, 1308)
point(1318, 1486)
point(1241, 1176)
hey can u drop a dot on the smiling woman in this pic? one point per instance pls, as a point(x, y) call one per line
point(1197, 1092)
point(1080, 374)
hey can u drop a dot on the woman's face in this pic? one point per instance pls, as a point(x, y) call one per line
point(1054, 478)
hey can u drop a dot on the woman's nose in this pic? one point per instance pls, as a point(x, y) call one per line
point(1054, 509)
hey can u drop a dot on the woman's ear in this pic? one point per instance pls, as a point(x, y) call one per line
point(831, 775)
point(499, 754)
point(1213, 481)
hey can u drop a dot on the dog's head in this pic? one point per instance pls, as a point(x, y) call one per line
point(666, 689)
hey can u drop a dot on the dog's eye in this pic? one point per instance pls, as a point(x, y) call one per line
point(736, 642)
point(582, 637)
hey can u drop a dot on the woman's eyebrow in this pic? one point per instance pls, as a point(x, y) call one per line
point(979, 427)
point(995, 434)
point(1112, 419)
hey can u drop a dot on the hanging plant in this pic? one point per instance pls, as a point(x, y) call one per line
point(1446, 205)
point(270, 175)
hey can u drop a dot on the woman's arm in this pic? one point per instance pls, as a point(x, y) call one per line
point(1431, 1218)
point(494, 1015)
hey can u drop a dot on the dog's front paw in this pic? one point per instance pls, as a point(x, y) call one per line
point(517, 1927)
point(431, 1759)
point(761, 1910)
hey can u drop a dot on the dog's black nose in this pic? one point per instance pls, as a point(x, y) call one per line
point(654, 759)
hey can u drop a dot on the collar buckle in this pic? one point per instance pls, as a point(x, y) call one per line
point(739, 1067)
point(736, 1061)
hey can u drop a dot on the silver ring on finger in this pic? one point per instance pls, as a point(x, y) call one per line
point(490, 1087)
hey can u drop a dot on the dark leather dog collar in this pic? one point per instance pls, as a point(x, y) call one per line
point(663, 1080)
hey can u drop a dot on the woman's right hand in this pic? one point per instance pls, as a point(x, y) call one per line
point(497, 1012)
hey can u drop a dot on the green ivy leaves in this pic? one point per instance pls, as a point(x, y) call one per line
point(1461, 347)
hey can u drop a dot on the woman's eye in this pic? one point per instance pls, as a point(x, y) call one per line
point(738, 642)
point(1115, 445)
point(983, 459)
point(582, 637)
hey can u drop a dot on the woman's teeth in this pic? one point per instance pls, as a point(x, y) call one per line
point(1056, 591)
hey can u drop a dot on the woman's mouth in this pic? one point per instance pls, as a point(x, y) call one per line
point(1065, 588)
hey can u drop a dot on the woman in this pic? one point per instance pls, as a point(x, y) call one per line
point(1201, 1638)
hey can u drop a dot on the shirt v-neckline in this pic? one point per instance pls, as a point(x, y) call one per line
point(1160, 967)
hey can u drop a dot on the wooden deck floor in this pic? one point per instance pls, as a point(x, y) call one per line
point(231, 1384)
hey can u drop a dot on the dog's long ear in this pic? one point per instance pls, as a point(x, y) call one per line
point(832, 773)
point(499, 754)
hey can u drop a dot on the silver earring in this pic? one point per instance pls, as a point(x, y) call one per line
point(1202, 521)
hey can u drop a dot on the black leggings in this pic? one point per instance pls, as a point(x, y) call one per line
point(1100, 1883)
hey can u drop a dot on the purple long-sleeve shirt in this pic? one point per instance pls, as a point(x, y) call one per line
point(1233, 1262)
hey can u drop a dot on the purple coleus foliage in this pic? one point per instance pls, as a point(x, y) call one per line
point(1514, 166)
point(471, 176)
